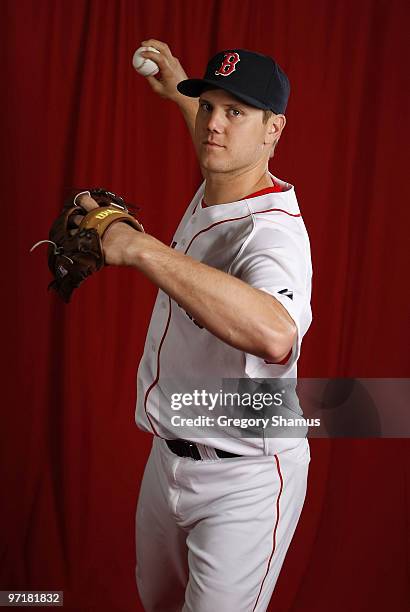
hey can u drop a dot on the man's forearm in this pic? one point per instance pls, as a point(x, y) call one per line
point(244, 317)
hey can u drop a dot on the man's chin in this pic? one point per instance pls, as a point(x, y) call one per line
point(212, 165)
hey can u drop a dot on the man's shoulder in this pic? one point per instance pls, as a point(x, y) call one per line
point(276, 202)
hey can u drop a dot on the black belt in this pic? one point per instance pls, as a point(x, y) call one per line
point(182, 448)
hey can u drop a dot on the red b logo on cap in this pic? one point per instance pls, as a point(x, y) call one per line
point(228, 64)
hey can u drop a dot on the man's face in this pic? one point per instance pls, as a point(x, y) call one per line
point(230, 135)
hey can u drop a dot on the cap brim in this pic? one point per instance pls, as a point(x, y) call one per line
point(193, 88)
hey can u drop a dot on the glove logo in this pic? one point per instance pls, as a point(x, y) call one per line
point(105, 213)
point(62, 271)
point(228, 64)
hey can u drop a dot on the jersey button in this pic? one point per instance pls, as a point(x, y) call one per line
point(183, 242)
point(153, 347)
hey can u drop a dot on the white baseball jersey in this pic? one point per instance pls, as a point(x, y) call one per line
point(263, 241)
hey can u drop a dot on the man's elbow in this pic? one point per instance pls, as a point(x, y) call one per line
point(279, 347)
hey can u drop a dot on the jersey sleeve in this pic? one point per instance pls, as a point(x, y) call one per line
point(276, 259)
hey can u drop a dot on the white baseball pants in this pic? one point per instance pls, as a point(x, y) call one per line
point(212, 535)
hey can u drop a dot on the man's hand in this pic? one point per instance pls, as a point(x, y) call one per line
point(171, 71)
point(170, 74)
point(116, 239)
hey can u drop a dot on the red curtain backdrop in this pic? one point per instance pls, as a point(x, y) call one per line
point(75, 113)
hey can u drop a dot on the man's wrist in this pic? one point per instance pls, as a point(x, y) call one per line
point(120, 244)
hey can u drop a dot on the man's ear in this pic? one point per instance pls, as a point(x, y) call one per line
point(274, 128)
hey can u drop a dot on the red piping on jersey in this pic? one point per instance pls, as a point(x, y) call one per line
point(274, 531)
point(238, 219)
point(158, 369)
point(211, 226)
point(169, 315)
point(274, 189)
point(259, 212)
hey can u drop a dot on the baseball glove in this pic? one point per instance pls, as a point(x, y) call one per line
point(75, 251)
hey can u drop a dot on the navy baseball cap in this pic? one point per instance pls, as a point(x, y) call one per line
point(252, 77)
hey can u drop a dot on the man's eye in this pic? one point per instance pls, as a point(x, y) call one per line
point(235, 112)
point(205, 106)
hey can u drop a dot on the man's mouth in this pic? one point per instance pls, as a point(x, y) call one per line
point(210, 143)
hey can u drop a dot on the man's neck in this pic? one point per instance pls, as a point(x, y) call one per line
point(222, 189)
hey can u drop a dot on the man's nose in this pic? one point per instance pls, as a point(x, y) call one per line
point(215, 121)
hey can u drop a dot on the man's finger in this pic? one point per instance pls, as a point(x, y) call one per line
point(87, 202)
point(159, 59)
point(77, 219)
point(73, 223)
point(157, 44)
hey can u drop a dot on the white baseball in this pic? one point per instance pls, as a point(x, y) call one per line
point(143, 65)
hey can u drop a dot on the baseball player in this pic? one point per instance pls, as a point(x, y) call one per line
point(217, 508)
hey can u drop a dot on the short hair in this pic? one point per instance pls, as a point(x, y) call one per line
point(267, 114)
